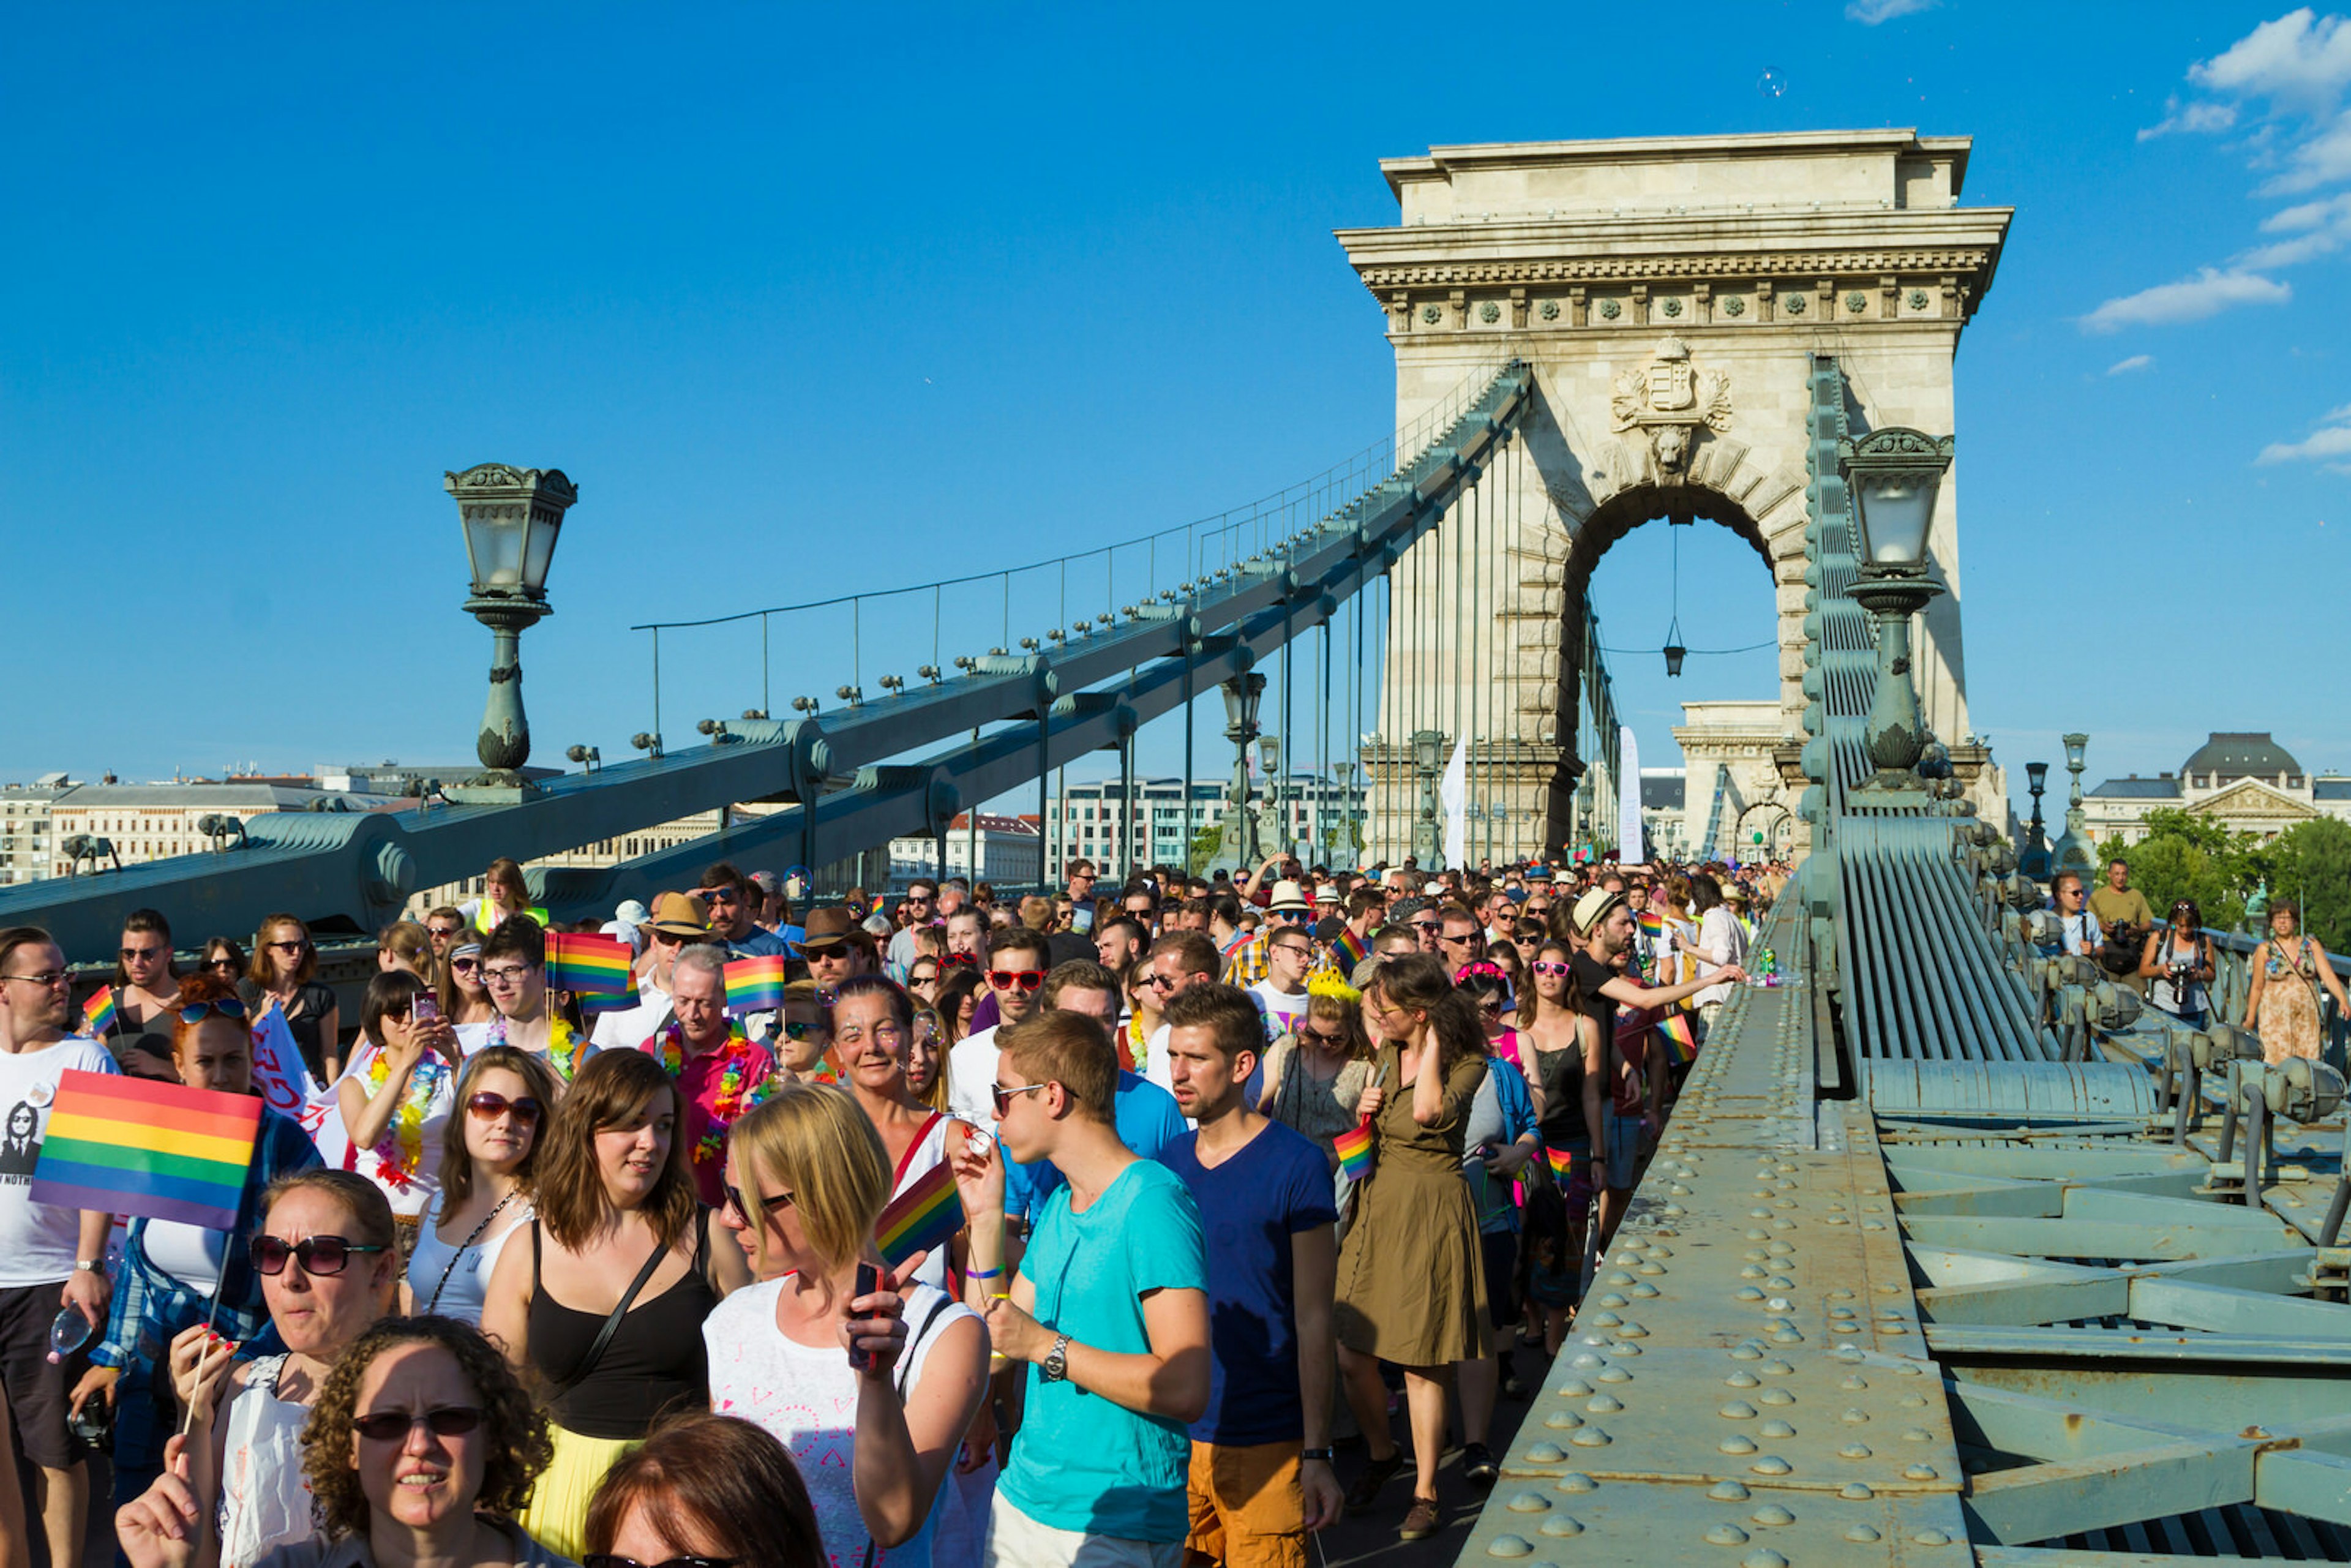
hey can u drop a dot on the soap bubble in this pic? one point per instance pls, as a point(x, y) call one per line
point(1772, 84)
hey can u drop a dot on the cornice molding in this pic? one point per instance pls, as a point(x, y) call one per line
point(1775, 267)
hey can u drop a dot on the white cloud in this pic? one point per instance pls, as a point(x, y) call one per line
point(2192, 118)
point(2136, 362)
point(2321, 158)
point(2332, 439)
point(1870, 13)
point(2207, 293)
point(2299, 57)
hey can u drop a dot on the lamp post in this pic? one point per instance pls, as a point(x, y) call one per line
point(1895, 475)
point(2072, 851)
point(1238, 848)
point(1428, 832)
point(2034, 862)
point(1271, 827)
point(511, 518)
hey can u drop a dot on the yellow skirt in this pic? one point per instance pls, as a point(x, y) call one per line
point(557, 1514)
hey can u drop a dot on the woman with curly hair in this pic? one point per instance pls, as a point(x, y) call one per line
point(421, 1449)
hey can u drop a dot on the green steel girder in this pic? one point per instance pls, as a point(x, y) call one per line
point(1077, 699)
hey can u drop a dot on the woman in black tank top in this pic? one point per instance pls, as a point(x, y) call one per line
point(603, 1313)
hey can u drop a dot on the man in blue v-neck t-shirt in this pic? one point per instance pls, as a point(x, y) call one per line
point(1261, 1476)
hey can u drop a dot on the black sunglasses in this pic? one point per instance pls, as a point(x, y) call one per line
point(323, 1256)
point(614, 1560)
point(766, 1206)
point(394, 1426)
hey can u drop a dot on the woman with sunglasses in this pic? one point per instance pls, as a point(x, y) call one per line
point(620, 1244)
point(284, 969)
point(1314, 1076)
point(234, 1488)
point(705, 1488)
point(803, 1042)
point(873, 1024)
point(392, 1108)
point(165, 1282)
point(807, 1177)
point(146, 993)
point(923, 977)
point(1563, 1047)
point(486, 1181)
point(420, 1447)
point(2178, 959)
point(464, 995)
point(1501, 1140)
point(224, 958)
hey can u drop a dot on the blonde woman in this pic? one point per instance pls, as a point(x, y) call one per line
point(807, 1177)
point(1315, 1074)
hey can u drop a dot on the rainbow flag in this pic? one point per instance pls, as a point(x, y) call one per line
point(98, 1014)
point(1563, 1163)
point(756, 984)
point(134, 1146)
point(1354, 1148)
point(1680, 1037)
point(1651, 924)
point(1350, 950)
point(590, 966)
point(921, 1219)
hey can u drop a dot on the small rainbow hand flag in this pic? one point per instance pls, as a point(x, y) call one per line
point(756, 984)
point(1651, 924)
point(1680, 1037)
point(590, 966)
point(134, 1146)
point(1354, 1147)
point(921, 1219)
point(98, 1014)
point(1563, 1163)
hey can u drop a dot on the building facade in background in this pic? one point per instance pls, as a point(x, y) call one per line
point(2243, 780)
point(1314, 816)
point(26, 837)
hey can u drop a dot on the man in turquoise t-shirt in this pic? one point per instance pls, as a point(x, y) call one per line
point(1110, 1308)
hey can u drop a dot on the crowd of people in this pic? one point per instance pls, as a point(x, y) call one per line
point(1246, 1164)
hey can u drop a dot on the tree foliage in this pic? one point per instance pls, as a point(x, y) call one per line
point(2187, 856)
point(2312, 865)
point(1206, 842)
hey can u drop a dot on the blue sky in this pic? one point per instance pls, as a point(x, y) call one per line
point(813, 302)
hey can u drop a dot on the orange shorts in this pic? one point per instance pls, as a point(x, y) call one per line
point(1246, 1510)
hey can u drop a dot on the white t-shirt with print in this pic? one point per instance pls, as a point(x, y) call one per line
point(38, 1240)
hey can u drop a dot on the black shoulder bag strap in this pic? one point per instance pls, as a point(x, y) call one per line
point(611, 1326)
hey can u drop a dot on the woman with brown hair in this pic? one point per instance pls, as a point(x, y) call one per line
point(406, 945)
point(1315, 1074)
point(604, 1307)
point(1412, 1283)
point(959, 1000)
point(285, 971)
point(2281, 1005)
point(504, 894)
point(392, 1108)
point(463, 994)
point(706, 1487)
point(503, 1101)
point(326, 1254)
point(927, 1058)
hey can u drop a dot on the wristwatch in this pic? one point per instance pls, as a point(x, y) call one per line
point(1328, 1456)
point(1056, 1360)
point(90, 1266)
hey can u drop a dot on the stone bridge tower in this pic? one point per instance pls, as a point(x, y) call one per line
point(1670, 293)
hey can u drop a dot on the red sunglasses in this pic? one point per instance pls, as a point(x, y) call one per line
point(1027, 979)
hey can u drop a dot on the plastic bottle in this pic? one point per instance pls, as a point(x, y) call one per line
point(68, 1334)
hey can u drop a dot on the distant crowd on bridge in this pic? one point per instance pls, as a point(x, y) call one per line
point(941, 1229)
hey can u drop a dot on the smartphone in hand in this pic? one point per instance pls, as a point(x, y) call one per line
point(424, 1009)
point(869, 1280)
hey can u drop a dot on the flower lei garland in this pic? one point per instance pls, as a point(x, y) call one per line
point(408, 1123)
point(734, 1094)
point(562, 1050)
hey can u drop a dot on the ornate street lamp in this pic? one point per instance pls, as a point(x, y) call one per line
point(1429, 831)
point(2073, 850)
point(1238, 848)
point(511, 518)
point(2034, 862)
point(1895, 475)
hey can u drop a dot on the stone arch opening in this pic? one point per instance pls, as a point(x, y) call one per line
point(1644, 502)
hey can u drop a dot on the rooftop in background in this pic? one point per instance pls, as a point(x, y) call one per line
point(2241, 754)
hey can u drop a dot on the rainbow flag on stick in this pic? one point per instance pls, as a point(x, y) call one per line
point(591, 967)
point(98, 1014)
point(921, 1219)
point(133, 1145)
point(756, 984)
point(1563, 1163)
point(1354, 1148)
point(1651, 924)
point(1680, 1037)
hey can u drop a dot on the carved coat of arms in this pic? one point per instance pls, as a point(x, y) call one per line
point(1669, 399)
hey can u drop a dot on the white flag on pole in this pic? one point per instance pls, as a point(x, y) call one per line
point(278, 1071)
point(1629, 838)
point(1453, 794)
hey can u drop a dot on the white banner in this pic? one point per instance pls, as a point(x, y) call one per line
point(1630, 848)
point(286, 1084)
point(1453, 795)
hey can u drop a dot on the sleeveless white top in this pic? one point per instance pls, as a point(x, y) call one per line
point(806, 1396)
point(467, 1269)
point(265, 1500)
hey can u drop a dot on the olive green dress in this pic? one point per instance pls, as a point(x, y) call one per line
point(1412, 1280)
